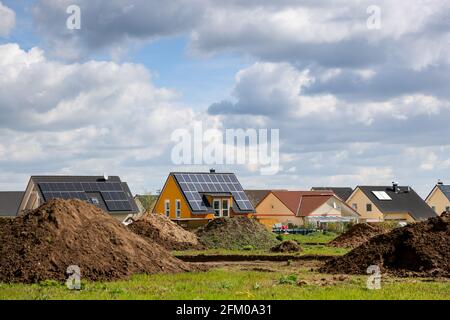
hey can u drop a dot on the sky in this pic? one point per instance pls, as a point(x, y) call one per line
point(359, 90)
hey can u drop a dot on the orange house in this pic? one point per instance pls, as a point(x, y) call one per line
point(194, 198)
point(301, 207)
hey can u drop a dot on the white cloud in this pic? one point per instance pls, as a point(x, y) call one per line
point(413, 33)
point(332, 141)
point(81, 117)
point(351, 103)
point(7, 20)
point(276, 90)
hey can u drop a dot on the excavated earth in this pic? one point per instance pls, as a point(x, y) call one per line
point(287, 246)
point(357, 235)
point(160, 229)
point(43, 243)
point(236, 233)
point(420, 249)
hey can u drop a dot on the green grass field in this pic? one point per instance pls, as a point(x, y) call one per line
point(316, 237)
point(221, 284)
point(307, 250)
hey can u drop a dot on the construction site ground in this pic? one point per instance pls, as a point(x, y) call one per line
point(298, 279)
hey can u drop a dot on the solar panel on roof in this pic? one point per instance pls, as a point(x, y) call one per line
point(112, 193)
point(192, 184)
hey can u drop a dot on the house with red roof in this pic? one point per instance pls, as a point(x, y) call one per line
point(302, 207)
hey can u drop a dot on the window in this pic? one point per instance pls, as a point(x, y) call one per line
point(369, 207)
point(225, 208)
point(216, 206)
point(381, 195)
point(167, 208)
point(95, 201)
point(355, 206)
point(178, 208)
point(434, 208)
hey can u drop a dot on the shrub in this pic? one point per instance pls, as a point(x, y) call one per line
point(280, 237)
point(290, 279)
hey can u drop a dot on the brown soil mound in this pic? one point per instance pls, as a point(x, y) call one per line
point(236, 233)
point(41, 244)
point(357, 235)
point(287, 246)
point(419, 249)
point(160, 229)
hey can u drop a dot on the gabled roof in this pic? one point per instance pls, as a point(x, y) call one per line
point(342, 192)
point(445, 189)
point(10, 202)
point(303, 203)
point(255, 196)
point(195, 185)
point(117, 201)
point(404, 199)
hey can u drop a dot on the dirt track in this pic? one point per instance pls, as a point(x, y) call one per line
point(259, 257)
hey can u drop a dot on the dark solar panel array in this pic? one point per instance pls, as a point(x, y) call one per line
point(193, 184)
point(113, 194)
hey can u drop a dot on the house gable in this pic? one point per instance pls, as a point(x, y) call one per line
point(171, 192)
point(272, 205)
point(334, 206)
point(271, 210)
point(359, 198)
point(108, 193)
point(438, 200)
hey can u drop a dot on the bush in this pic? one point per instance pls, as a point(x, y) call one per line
point(280, 237)
point(247, 248)
point(290, 279)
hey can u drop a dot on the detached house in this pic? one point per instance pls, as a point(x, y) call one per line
point(302, 207)
point(108, 193)
point(193, 198)
point(439, 198)
point(389, 203)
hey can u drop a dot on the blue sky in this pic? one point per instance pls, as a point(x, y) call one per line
point(355, 104)
point(167, 58)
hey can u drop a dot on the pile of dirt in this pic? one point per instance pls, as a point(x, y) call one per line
point(357, 235)
point(43, 243)
point(287, 246)
point(236, 233)
point(160, 229)
point(419, 249)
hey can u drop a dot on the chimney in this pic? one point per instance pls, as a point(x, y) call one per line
point(105, 177)
point(440, 183)
point(395, 186)
point(212, 170)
